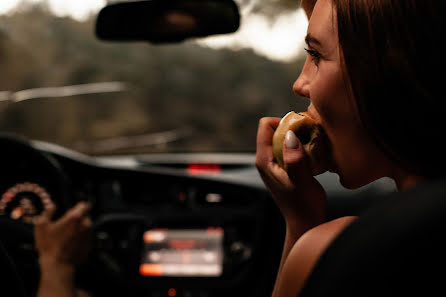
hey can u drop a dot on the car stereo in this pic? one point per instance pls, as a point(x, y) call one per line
point(133, 248)
point(194, 241)
point(182, 253)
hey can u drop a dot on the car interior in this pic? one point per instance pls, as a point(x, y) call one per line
point(165, 223)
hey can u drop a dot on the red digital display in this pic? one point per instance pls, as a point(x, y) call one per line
point(203, 169)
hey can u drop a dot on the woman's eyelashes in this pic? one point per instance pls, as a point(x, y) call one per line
point(315, 55)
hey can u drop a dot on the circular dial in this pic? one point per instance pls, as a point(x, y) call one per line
point(24, 201)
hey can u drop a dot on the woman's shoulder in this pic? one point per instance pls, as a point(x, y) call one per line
point(307, 251)
point(395, 246)
point(325, 233)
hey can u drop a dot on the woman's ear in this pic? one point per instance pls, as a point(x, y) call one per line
point(308, 6)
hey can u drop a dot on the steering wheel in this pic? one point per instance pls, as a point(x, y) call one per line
point(29, 177)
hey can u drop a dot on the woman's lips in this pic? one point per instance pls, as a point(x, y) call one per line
point(312, 113)
point(315, 116)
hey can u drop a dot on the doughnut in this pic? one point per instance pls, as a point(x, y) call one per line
point(312, 136)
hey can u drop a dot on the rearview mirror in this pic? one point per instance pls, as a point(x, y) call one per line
point(164, 21)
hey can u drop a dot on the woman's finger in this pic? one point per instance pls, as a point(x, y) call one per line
point(47, 214)
point(265, 132)
point(75, 214)
point(86, 223)
point(294, 157)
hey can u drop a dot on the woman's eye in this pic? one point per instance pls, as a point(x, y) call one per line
point(315, 56)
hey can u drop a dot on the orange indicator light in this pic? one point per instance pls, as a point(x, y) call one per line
point(151, 270)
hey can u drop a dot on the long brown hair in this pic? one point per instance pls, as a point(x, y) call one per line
point(393, 53)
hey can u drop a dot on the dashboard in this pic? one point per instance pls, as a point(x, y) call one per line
point(163, 224)
point(179, 226)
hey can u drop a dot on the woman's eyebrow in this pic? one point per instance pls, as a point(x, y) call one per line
point(311, 40)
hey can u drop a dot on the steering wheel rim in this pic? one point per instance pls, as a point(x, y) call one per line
point(19, 158)
point(16, 150)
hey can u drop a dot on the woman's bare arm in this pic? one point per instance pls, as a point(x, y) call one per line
point(304, 255)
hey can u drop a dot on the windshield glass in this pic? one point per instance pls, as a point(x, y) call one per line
point(62, 85)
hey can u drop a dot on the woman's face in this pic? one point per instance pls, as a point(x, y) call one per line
point(356, 158)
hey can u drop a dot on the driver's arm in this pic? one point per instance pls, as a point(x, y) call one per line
point(62, 245)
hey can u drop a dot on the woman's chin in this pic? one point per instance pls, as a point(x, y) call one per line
point(354, 182)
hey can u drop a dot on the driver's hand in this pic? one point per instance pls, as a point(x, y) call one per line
point(66, 241)
point(299, 196)
point(62, 245)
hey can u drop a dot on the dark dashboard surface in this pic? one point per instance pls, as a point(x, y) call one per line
point(164, 224)
point(190, 195)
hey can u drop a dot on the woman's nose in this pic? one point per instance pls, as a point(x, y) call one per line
point(301, 86)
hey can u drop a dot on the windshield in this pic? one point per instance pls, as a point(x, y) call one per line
point(62, 85)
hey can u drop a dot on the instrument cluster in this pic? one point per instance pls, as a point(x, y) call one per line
point(24, 201)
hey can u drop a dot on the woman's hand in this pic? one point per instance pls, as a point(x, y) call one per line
point(66, 240)
point(62, 245)
point(296, 192)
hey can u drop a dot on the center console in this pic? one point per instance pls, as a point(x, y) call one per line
point(209, 241)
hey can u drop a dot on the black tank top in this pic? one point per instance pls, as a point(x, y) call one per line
point(396, 248)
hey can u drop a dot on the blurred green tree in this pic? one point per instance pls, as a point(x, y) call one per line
point(217, 96)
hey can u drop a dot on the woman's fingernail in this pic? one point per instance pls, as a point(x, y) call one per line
point(291, 140)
